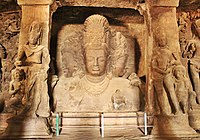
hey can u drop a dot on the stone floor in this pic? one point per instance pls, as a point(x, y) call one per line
point(110, 133)
point(122, 138)
point(113, 134)
point(94, 134)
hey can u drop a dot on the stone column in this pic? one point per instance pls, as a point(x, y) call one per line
point(26, 124)
point(163, 25)
point(159, 15)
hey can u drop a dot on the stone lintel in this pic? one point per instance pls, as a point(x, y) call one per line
point(35, 2)
point(101, 3)
point(168, 3)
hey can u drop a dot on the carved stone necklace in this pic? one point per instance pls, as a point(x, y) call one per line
point(95, 85)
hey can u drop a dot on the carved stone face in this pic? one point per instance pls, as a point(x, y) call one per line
point(162, 42)
point(33, 36)
point(119, 66)
point(95, 62)
point(17, 76)
point(179, 73)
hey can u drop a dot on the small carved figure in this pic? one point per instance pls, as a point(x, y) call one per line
point(183, 24)
point(118, 100)
point(186, 96)
point(162, 63)
point(134, 80)
point(16, 90)
point(36, 58)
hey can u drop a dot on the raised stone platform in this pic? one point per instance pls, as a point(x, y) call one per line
point(115, 124)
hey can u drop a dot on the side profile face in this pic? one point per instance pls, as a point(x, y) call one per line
point(95, 62)
point(119, 66)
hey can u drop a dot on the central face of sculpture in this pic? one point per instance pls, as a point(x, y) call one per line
point(95, 62)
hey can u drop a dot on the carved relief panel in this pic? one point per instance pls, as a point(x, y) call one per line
point(69, 54)
point(96, 69)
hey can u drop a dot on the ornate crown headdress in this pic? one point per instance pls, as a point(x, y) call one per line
point(96, 33)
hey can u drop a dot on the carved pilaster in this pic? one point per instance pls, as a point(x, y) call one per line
point(166, 54)
point(33, 57)
point(159, 15)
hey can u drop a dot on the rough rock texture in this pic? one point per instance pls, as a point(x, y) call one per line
point(10, 27)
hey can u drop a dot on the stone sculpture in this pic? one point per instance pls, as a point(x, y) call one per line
point(184, 92)
point(17, 91)
point(120, 56)
point(36, 58)
point(193, 53)
point(96, 89)
point(183, 25)
point(162, 64)
point(172, 94)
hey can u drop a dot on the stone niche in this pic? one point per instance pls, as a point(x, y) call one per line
point(77, 29)
point(67, 35)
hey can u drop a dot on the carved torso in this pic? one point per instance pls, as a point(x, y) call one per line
point(163, 59)
point(79, 95)
point(33, 54)
point(161, 63)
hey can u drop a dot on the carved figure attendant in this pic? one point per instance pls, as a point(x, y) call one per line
point(162, 63)
point(17, 90)
point(186, 96)
point(36, 58)
point(183, 24)
point(193, 53)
